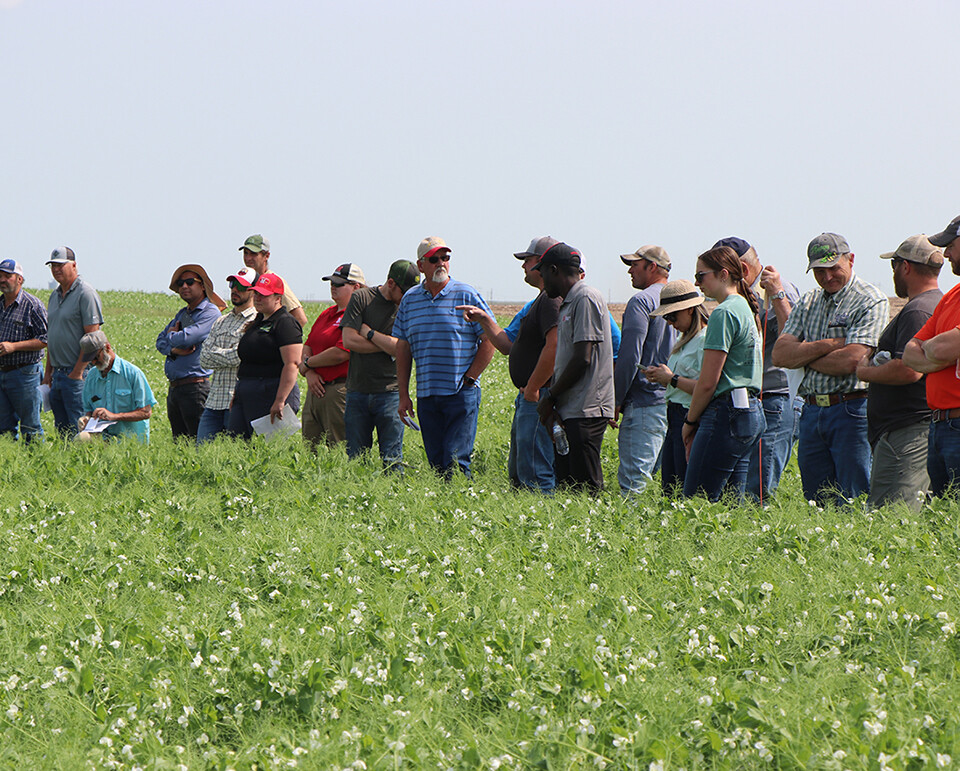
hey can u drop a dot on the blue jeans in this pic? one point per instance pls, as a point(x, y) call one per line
point(20, 402)
point(212, 422)
point(364, 413)
point(449, 428)
point(776, 443)
point(66, 401)
point(639, 440)
point(530, 462)
point(834, 453)
point(943, 455)
point(673, 468)
point(722, 447)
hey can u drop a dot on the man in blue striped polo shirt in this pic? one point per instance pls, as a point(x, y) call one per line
point(450, 353)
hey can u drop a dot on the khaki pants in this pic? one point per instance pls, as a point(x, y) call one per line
point(322, 417)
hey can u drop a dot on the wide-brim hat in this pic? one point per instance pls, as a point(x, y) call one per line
point(676, 296)
point(204, 278)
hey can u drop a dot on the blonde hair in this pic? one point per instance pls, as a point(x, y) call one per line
point(697, 322)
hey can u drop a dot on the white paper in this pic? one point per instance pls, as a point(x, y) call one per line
point(288, 424)
point(740, 398)
point(45, 397)
point(95, 426)
point(410, 422)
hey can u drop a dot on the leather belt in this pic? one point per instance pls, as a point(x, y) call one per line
point(830, 400)
point(941, 415)
point(187, 381)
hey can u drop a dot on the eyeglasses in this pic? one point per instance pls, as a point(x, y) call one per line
point(445, 257)
point(670, 317)
point(895, 262)
point(187, 281)
point(698, 276)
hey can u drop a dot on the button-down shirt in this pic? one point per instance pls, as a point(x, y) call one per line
point(195, 325)
point(219, 353)
point(858, 313)
point(24, 319)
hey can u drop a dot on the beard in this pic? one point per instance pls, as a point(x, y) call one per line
point(440, 275)
point(103, 362)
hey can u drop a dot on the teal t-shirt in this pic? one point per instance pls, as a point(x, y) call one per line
point(732, 329)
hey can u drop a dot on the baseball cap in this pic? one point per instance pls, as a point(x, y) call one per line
point(655, 254)
point(61, 255)
point(91, 344)
point(11, 266)
point(916, 249)
point(256, 243)
point(430, 245)
point(945, 236)
point(559, 254)
point(268, 284)
point(348, 273)
point(825, 250)
point(537, 247)
point(246, 276)
point(404, 274)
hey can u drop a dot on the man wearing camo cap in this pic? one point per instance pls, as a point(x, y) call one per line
point(829, 331)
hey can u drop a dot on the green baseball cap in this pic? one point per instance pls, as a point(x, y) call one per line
point(256, 244)
point(404, 274)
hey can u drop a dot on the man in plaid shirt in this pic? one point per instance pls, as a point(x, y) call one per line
point(829, 331)
point(23, 336)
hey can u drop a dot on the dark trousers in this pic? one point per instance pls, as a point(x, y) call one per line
point(580, 468)
point(252, 399)
point(673, 465)
point(185, 406)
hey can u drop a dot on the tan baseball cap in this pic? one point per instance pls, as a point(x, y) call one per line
point(916, 249)
point(428, 246)
point(655, 254)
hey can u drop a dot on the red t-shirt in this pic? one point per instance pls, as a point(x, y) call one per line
point(326, 333)
point(943, 386)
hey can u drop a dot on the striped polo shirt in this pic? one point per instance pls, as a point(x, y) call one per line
point(442, 343)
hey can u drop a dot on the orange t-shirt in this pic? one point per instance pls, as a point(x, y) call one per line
point(943, 386)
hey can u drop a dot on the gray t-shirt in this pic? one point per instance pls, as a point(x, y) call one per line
point(67, 315)
point(584, 317)
point(370, 373)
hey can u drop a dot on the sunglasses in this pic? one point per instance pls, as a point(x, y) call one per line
point(698, 276)
point(238, 286)
point(670, 317)
point(187, 282)
point(445, 257)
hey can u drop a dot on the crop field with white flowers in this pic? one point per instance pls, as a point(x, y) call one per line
point(261, 606)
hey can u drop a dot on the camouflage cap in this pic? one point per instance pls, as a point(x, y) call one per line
point(256, 244)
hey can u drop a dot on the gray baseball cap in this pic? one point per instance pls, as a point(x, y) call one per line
point(91, 344)
point(825, 250)
point(537, 247)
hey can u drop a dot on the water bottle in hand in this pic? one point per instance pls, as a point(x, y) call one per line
point(560, 443)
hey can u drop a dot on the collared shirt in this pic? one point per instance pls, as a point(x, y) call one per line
point(67, 315)
point(219, 353)
point(647, 340)
point(24, 319)
point(858, 312)
point(195, 325)
point(123, 389)
point(442, 343)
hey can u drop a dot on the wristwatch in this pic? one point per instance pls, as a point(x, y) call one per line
point(469, 382)
point(674, 380)
point(370, 335)
point(779, 295)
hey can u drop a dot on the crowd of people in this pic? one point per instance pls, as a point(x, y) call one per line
point(715, 399)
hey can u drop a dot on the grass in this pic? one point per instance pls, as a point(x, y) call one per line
point(259, 606)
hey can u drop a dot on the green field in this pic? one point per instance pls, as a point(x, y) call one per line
point(259, 606)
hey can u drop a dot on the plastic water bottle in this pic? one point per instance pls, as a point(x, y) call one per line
point(882, 357)
point(560, 443)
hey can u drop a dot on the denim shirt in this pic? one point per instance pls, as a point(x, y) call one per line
point(195, 325)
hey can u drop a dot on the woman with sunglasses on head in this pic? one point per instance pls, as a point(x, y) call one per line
point(269, 352)
point(681, 306)
point(725, 420)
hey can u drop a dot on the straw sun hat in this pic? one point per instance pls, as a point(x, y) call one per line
point(677, 295)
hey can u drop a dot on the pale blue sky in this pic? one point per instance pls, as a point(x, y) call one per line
point(149, 135)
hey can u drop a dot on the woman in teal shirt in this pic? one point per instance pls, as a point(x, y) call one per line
point(725, 420)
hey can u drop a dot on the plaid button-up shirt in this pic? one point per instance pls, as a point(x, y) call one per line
point(24, 319)
point(219, 353)
point(858, 313)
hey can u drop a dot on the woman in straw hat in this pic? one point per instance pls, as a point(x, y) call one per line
point(681, 306)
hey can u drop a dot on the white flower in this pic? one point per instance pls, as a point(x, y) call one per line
point(943, 760)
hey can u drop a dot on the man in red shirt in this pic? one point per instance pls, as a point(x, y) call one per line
point(934, 351)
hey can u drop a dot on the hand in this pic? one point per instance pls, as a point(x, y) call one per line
point(176, 327)
point(315, 383)
point(659, 373)
point(472, 313)
point(82, 422)
point(74, 375)
point(47, 378)
point(770, 280)
point(6, 348)
point(614, 422)
point(531, 394)
point(183, 351)
point(545, 409)
point(406, 407)
point(102, 413)
point(688, 433)
point(275, 409)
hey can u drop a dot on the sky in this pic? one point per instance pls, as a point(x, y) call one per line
point(148, 135)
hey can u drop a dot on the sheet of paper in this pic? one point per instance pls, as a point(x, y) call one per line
point(95, 426)
point(288, 424)
point(45, 397)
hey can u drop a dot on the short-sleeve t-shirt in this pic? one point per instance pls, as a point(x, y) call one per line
point(259, 348)
point(376, 372)
point(943, 386)
point(732, 329)
point(540, 319)
point(890, 407)
point(687, 362)
point(584, 318)
point(326, 333)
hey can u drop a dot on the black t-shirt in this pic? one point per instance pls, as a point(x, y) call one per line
point(890, 407)
point(259, 348)
point(370, 373)
point(540, 319)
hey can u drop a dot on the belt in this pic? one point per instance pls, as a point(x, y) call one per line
point(941, 415)
point(335, 380)
point(830, 400)
point(14, 367)
point(187, 381)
